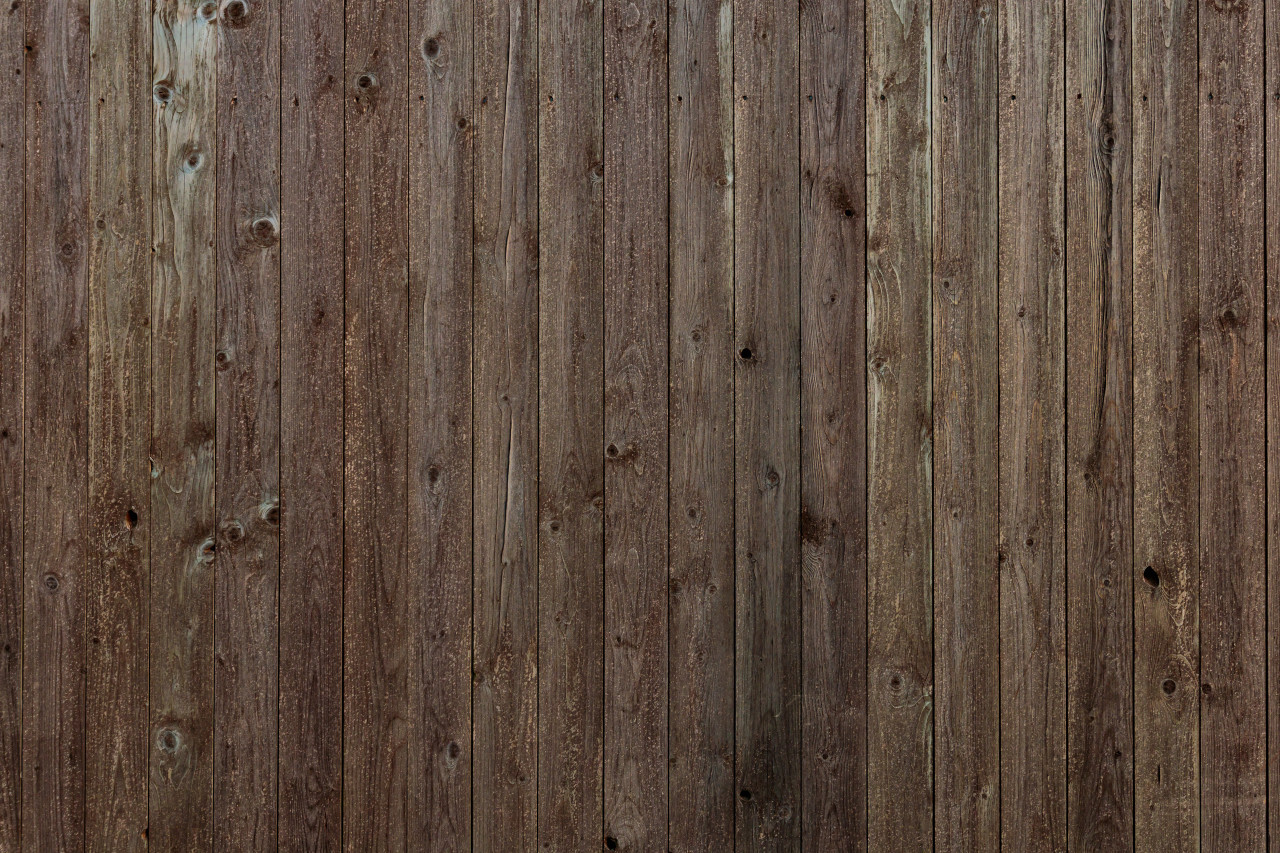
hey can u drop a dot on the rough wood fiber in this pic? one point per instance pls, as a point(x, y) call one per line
point(183, 546)
point(119, 428)
point(833, 520)
point(505, 388)
point(571, 418)
point(1166, 508)
point(700, 603)
point(1233, 692)
point(311, 425)
point(1271, 97)
point(635, 425)
point(440, 323)
point(899, 428)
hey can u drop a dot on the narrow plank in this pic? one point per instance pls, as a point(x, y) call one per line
point(1166, 308)
point(381, 792)
point(1099, 428)
point(505, 448)
point(1233, 693)
point(116, 722)
point(966, 380)
point(1033, 789)
point(635, 425)
point(247, 456)
point(55, 363)
point(700, 604)
point(183, 547)
point(767, 425)
point(311, 440)
point(571, 418)
point(440, 322)
point(1271, 96)
point(899, 428)
point(833, 423)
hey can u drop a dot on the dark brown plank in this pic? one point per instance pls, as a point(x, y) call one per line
point(311, 440)
point(701, 409)
point(1271, 96)
point(833, 522)
point(247, 389)
point(571, 418)
point(767, 425)
point(381, 793)
point(1233, 693)
point(899, 429)
point(119, 427)
point(55, 520)
point(966, 380)
point(440, 412)
point(1033, 789)
point(505, 388)
point(183, 546)
point(1166, 307)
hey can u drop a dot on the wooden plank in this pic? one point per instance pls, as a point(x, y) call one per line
point(116, 602)
point(899, 428)
point(1166, 307)
point(700, 605)
point(55, 521)
point(1271, 96)
point(571, 419)
point(767, 425)
point(833, 423)
point(183, 546)
point(311, 440)
point(381, 793)
point(505, 449)
point(247, 388)
point(966, 381)
point(439, 495)
point(1233, 693)
point(635, 425)
point(1033, 790)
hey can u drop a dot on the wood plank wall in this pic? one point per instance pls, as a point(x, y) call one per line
point(506, 425)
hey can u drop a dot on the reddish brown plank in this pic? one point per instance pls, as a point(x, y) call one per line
point(1271, 96)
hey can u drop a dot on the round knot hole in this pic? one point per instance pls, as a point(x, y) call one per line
point(366, 81)
point(1168, 686)
point(236, 12)
point(1151, 576)
point(51, 583)
point(162, 93)
point(431, 48)
point(265, 230)
point(745, 353)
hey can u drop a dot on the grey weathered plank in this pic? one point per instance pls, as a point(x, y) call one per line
point(505, 404)
point(571, 418)
point(899, 428)
point(311, 439)
point(1033, 789)
point(119, 435)
point(247, 455)
point(183, 547)
point(439, 496)
point(833, 522)
point(767, 424)
point(1233, 453)
point(1166, 310)
point(966, 382)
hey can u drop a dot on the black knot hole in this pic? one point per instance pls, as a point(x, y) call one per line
point(611, 843)
point(745, 794)
point(745, 353)
point(131, 519)
point(366, 81)
point(1168, 686)
point(1151, 576)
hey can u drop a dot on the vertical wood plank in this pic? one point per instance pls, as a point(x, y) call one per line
point(311, 425)
point(116, 598)
point(899, 428)
point(1166, 505)
point(635, 425)
point(1271, 96)
point(247, 388)
point(833, 422)
point(183, 549)
point(767, 424)
point(380, 789)
point(440, 412)
point(55, 520)
point(1233, 694)
point(505, 389)
point(571, 422)
point(700, 600)
point(1033, 786)
point(966, 424)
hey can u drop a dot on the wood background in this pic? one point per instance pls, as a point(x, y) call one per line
point(560, 425)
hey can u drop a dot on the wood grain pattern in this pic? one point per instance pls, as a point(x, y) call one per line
point(1271, 98)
